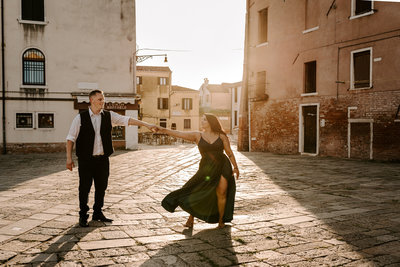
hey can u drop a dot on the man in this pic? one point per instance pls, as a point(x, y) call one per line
point(91, 131)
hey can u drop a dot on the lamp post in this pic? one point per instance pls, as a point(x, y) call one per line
point(142, 58)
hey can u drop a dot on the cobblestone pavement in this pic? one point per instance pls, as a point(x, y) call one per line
point(290, 211)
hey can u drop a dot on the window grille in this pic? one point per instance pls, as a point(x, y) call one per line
point(33, 63)
point(24, 120)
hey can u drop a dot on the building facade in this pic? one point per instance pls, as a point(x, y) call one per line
point(55, 53)
point(322, 78)
point(154, 87)
point(184, 109)
point(216, 99)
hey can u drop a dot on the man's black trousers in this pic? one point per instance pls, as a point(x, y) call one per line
point(95, 169)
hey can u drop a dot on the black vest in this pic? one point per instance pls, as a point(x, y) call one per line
point(85, 140)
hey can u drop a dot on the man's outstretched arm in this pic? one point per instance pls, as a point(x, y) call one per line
point(136, 122)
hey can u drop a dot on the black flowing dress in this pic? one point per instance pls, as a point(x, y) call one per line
point(198, 196)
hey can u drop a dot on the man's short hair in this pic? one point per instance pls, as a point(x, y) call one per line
point(94, 92)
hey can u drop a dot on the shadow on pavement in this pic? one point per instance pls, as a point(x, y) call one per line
point(358, 202)
point(210, 247)
point(63, 247)
point(19, 168)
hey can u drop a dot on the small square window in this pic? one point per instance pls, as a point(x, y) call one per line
point(45, 120)
point(363, 6)
point(24, 120)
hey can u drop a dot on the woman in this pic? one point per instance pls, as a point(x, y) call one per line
point(210, 194)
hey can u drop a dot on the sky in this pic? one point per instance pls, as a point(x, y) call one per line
point(203, 39)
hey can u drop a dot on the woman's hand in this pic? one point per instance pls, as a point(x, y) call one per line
point(236, 173)
point(161, 130)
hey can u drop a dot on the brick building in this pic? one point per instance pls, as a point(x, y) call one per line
point(322, 78)
point(55, 52)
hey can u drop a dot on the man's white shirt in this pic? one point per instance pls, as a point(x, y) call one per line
point(116, 120)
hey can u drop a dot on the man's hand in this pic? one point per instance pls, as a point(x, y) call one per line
point(153, 128)
point(236, 173)
point(160, 129)
point(70, 164)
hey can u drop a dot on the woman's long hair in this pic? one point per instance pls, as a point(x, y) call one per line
point(215, 124)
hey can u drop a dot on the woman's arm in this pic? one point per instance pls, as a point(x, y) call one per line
point(190, 136)
point(231, 156)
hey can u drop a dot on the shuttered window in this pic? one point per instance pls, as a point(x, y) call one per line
point(187, 103)
point(263, 26)
point(310, 77)
point(32, 10)
point(362, 69)
point(162, 103)
point(186, 124)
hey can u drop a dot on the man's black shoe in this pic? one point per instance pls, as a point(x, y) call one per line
point(100, 217)
point(83, 221)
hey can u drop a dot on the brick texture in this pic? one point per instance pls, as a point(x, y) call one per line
point(275, 125)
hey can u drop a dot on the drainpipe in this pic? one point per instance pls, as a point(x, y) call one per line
point(249, 124)
point(3, 78)
point(244, 105)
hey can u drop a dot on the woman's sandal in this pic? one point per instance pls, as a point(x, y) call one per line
point(221, 226)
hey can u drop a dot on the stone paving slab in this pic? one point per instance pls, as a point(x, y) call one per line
point(20, 227)
point(289, 211)
point(101, 244)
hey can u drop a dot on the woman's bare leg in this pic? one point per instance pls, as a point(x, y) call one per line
point(221, 195)
point(189, 223)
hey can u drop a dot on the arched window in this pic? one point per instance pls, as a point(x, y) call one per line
point(33, 67)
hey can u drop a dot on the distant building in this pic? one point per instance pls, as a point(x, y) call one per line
point(322, 78)
point(216, 99)
point(154, 87)
point(184, 109)
point(235, 90)
point(55, 52)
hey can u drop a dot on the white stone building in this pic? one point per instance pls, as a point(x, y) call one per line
point(55, 53)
